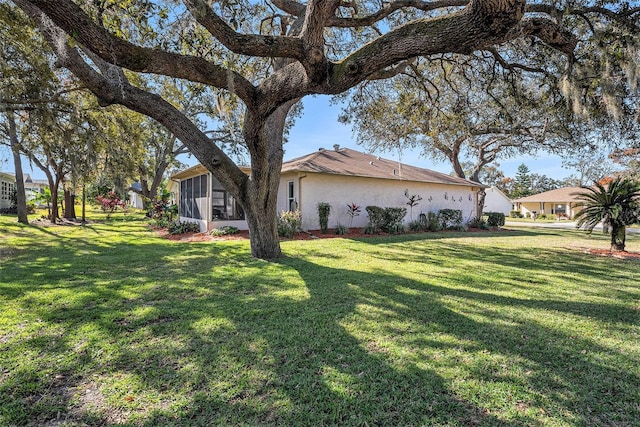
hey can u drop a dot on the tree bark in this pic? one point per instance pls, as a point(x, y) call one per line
point(259, 200)
point(618, 237)
point(17, 163)
point(69, 204)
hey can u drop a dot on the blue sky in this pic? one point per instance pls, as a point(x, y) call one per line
point(319, 127)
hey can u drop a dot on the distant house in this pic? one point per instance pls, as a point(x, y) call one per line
point(7, 187)
point(33, 187)
point(338, 177)
point(496, 201)
point(135, 198)
point(560, 202)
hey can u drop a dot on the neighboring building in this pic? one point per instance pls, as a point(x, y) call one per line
point(496, 201)
point(33, 187)
point(7, 187)
point(338, 177)
point(560, 202)
point(135, 198)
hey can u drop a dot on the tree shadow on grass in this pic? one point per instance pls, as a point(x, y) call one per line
point(241, 341)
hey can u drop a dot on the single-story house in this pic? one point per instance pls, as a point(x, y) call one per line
point(340, 177)
point(33, 187)
point(561, 202)
point(201, 198)
point(7, 186)
point(135, 198)
point(496, 201)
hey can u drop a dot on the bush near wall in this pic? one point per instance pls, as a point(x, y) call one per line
point(389, 220)
point(495, 219)
point(450, 218)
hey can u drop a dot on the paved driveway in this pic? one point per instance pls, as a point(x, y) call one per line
point(569, 225)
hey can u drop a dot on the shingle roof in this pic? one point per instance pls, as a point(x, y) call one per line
point(566, 194)
point(345, 161)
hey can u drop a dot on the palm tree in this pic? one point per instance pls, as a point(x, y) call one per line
point(616, 205)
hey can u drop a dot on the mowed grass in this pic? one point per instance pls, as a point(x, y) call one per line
point(107, 324)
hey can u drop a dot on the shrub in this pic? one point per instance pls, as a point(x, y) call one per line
point(110, 202)
point(323, 215)
point(495, 219)
point(450, 218)
point(542, 216)
point(178, 227)
point(477, 222)
point(341, 229)
point(393, 218)
point(417, 225)
point(160, 223)
point(515, 214)
point(376, 219)
point(31, 208)
point(433, 222)
point(289, 222)
point(387, 219)
point(223, 231)
point(552, 216)
point(527, 215)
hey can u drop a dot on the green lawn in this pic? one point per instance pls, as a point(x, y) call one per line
point(107, 324)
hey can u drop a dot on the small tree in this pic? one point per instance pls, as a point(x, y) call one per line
point(615, 205)
point(412, 200)
point(353, 211)
point(323, 215)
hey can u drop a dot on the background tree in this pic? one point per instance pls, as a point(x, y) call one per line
point(590, 166)
point(522, 182)
point(27, 86)
point(320, 47)
point(629, 160)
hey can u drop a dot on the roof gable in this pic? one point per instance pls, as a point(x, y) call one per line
point(348, 162)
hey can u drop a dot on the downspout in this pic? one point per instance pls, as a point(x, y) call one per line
point(178, 195)
point(301, 176)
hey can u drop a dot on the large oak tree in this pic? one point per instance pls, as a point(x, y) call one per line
point(317, 47)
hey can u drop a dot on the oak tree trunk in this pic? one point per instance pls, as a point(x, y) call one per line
point(69, 204)
point(259, 198)
point(17, 163)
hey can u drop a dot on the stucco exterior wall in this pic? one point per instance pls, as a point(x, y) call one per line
point(339, 191)
point(496, 201)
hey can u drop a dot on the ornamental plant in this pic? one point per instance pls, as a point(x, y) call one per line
point(615, 205)
point(110, 202)
point(353, 211)
point(324, 209)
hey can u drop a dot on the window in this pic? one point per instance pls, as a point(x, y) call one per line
point(6, 189)
point(291, 197)
point(193, 196)
point(223, 204)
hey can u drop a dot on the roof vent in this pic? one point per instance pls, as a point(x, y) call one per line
point(371, 163)
point(320, 149)
point(336, 147)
